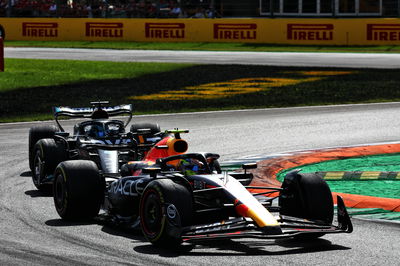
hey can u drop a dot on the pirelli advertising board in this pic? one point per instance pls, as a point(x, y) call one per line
point(275, 31)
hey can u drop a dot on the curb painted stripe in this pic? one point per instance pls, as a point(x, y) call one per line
point(359, 175)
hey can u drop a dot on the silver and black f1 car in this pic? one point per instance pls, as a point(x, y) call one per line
point(180, 198)
point(99, 139)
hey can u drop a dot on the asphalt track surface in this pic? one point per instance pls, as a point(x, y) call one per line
point(353, 60)
point(31, 232)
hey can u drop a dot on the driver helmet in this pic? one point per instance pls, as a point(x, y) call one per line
point(113, 129)
point(190, 166)
point(96, 131)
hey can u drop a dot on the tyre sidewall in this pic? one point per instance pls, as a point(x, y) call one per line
point(35, 134)
point(82, 190)
point(153, 195)
point(50, 153)
point(174, 204)
point(306, 196)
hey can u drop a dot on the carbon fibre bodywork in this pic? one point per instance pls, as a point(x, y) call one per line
point(223, 206)
point(99, 138)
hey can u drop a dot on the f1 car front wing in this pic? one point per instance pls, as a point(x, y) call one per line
point(290, 226)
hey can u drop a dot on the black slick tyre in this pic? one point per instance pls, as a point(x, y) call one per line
point(78, 190)
point(306, 195)
point(165, 207)
point(154, 128)
point(47, 154)
point(36, 133)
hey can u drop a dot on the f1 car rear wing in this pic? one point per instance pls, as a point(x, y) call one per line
point(88, 112)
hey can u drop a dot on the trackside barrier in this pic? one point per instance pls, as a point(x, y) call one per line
point(2, 35)
point(303, 31)
point(1, 55)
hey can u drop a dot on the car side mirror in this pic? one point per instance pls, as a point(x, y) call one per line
point(249, 166)
point(152, 171)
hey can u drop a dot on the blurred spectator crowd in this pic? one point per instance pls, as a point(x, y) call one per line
point(108, 9)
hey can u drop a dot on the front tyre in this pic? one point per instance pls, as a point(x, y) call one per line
point(78, 190)
point(306, 195)
point(165, 207)
point(35, 134)
point(47, 155)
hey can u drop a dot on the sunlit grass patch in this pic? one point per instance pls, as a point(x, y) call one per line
point(30, 88)
point(28, 73)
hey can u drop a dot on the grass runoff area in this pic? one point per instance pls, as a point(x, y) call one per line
point(29, 88)
point(251, 47)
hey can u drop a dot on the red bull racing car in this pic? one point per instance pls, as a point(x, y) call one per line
point(178, 197)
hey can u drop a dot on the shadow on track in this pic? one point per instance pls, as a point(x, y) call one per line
point(62, 223)
point(135, 235)
point(46, 191)
point(26, 174)
point(38, 193)
point(244, 248)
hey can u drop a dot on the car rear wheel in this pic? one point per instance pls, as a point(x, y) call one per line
point(36, 133)
point(78, 190)
point(165, 207)
point(154, 128)
point(306, 195)
point(47, 155)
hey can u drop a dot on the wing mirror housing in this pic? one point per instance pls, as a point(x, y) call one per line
point(152, 171)
point(247, 166)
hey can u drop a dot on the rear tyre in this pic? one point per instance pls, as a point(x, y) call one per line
point(154, 128)
point(149, 139)
point(36, 133)
point(47, 155)
point(165, 207)
point(306, 196)
point(78, 190)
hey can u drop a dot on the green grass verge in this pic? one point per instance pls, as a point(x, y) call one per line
point(22, 73)
point(207, 46)
point(29, 88)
